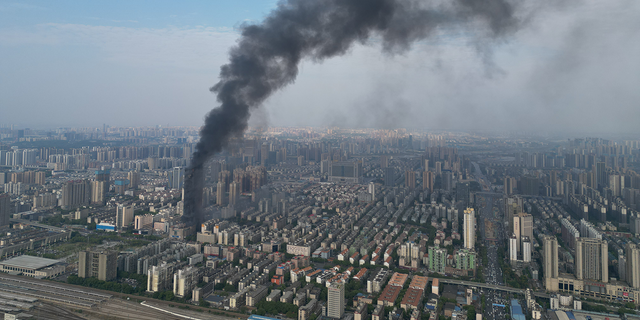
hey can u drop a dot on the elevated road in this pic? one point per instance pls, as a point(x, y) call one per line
point(481, 285)
point(539, 294)
point(39, 225)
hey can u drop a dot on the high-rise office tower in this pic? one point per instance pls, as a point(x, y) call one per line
point(592, 180)
point(134, 179)
point(103, 175)
point(509, 185)
point(410, 179)
point(550, 262)
point(526, 249)
point(242, 178)
point(234, 192)
point(225, 176)
point(633, 265)
point(384, 161)
point(124, 215)
point(335, 301)
point(176, 178)
point(525, 224)
point(622, 265)
point(372, 190)
point(529, 185)
point(559, 188)
point(462, 193)
point(389, 176)
point(220, 193)
point(75, 194)
point(40, 178)
point(264, 154)
point(346, 171)
point(469, 228)
point(5, 209)
point(512, 205)
point(616, 184)
point(592, 259)
point(29, 157)
point(513, 248)
point(324, 166)
point(428, 180)
point(120, 186)
point(98, 192)
point(447, 180)
point(258, 177)
point(98, 264)
point(152, 162)
point(601, 174)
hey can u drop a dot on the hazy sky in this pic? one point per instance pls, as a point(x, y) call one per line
point(133, 63)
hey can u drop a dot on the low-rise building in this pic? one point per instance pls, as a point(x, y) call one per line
point(33, 266)
point(307, 310)
point(238, 299)
point(253, 297)
point(361, 312)
point(274, 295)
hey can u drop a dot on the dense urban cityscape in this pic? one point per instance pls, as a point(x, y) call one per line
point(309, 223)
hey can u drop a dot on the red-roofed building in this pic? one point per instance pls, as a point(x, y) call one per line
point(342, 255)
point(361, 275)
point(354, 258)
point(411, 299)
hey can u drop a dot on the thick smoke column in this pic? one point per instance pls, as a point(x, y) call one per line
point(267, 55)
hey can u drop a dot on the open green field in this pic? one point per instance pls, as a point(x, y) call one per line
point(78, 243)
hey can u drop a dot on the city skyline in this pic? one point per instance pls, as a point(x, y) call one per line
point(320, 159)
point(310, 217)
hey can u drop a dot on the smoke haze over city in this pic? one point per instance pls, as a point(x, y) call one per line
point(320, 159)
point(571, 68)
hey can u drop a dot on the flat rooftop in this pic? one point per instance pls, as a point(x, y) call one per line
point(29, 262)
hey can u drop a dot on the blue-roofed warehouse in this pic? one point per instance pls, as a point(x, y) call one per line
point(516, 310)
point(257, 317)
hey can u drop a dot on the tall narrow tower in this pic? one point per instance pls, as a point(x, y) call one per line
point(550, 261)
point(469, 228)
point(335, 303)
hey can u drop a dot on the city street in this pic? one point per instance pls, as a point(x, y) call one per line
point(490, 212)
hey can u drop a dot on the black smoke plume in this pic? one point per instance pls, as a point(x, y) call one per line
point(267, 55)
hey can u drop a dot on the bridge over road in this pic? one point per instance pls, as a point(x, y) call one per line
point(539, 294)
